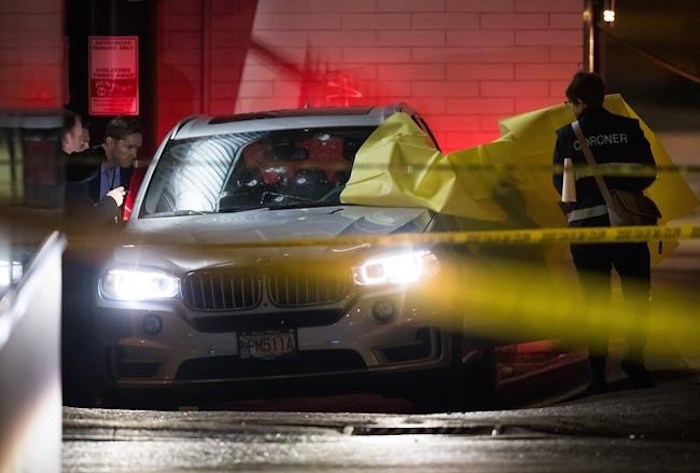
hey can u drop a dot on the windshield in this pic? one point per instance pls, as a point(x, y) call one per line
point(243, 171)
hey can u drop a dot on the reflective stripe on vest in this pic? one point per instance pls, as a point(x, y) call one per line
point(590, 212)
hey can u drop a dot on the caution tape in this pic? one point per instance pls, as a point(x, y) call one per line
point(529, 302)
point(504, 237)
point(492, 237)
point(536, 236)
point(515, 299)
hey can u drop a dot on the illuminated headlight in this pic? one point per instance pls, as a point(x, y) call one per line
point(396, 269)
point(137, 285)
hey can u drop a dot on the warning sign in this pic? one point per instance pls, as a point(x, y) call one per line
point(113, 75)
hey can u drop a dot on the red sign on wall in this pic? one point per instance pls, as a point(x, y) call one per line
point(113, 75)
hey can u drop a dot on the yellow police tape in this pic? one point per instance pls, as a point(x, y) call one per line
point(529, 302)
point(525, 302)
point(522, 301)
point(518, 301)
point(540, 236)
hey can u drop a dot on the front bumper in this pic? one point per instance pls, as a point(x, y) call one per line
point(349, 351)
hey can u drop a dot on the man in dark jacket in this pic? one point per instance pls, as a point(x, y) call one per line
point(96, 183)
point(97, 178)
point(613, 139)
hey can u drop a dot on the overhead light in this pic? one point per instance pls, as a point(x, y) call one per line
point(609, 11)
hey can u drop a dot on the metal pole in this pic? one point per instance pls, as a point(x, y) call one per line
point(591, 35)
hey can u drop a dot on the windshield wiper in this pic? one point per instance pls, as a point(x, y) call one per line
point(178, 213)
point(299, 205)
point(242, 208)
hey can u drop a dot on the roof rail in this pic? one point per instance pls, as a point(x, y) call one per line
point(184, 121)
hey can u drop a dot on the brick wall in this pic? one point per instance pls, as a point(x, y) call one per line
point(31, 54)
point(464, 63)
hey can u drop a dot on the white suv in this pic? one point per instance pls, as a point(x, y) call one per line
point(197, 295)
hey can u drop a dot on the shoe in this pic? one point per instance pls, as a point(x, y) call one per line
point(638, 374)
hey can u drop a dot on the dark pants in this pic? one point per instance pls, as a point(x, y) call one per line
point(78, 337)
point(631, 261)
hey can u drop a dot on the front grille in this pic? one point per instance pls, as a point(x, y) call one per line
point(308, 285)
point(222, 290)
point(302, 285)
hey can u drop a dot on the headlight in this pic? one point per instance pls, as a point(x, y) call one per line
point(137, 285)
point(396, 269)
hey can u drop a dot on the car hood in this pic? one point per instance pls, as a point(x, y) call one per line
point(152, 240)
point(271, 225)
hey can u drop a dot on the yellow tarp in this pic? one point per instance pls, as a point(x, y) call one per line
point(506, 183)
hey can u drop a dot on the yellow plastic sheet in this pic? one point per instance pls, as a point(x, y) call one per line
point(506, 183)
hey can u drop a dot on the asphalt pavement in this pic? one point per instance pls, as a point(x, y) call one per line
point(655, 429)
point(547, 424)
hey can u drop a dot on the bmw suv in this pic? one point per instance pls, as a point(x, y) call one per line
point(233, 275)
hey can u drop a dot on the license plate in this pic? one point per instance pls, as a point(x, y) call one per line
point(267, 344)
